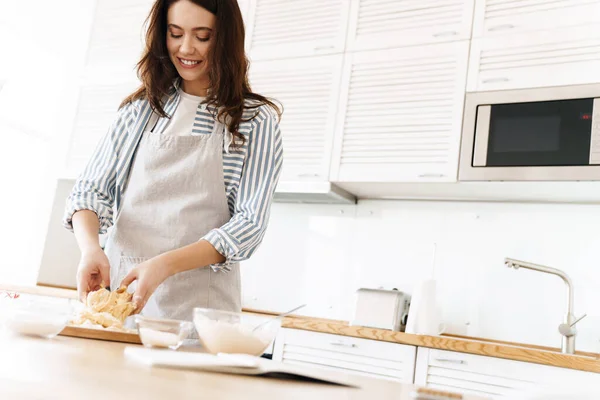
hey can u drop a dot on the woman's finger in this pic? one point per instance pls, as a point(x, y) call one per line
point(82, 287)
point(140, 297)
point(129, 278)
point(104, 275)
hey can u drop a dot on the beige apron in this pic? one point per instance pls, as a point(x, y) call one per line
point(174, 196)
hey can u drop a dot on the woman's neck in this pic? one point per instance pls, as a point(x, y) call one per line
point(195, 88)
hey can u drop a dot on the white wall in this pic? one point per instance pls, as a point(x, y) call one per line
point(320, 254)
point(43, 47)
point(314, 254)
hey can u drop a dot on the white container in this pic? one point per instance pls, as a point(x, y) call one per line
point(233, 333)
point(425, 317)
point(33, 315)
point(162, 333)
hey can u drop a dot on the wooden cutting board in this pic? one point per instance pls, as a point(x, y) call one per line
point(101, 334)
point(89, 333)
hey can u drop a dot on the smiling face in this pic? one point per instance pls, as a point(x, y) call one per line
point(190, 33)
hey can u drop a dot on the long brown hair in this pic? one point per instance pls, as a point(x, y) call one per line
point(228, 64)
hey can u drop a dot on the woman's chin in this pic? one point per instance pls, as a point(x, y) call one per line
point(190, 76)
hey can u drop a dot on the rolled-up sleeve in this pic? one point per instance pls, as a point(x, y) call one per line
point(94, 189)
point(239, 238)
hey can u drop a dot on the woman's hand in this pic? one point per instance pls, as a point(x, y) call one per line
point(93, 272)
point(148, 275)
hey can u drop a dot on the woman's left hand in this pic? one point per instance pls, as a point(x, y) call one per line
point(148, 275)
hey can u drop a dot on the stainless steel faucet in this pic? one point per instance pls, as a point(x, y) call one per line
point(567, 328)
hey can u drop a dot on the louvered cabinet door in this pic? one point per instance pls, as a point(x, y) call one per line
point(117, 37)
point(97, 108)
point(504, 17)
point(295, 28)
point(492, 377)
point(372, 358)
point(245, 10)
point(400, 114)
point(542, 58)
point(308, 89)
point(376, 24)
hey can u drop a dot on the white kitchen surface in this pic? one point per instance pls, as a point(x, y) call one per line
point(314, 254)
point(320, 254)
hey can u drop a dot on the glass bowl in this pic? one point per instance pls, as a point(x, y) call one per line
point(233, 333)
point(162, 333)
point(36, 315)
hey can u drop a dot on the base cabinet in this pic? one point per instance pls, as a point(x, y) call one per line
point(492, 377)
point(366, 357)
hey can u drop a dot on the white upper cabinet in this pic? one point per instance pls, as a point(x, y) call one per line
point(400, 114)
point(541, 58)
point(245, 9)
point(502, 17)
point(118, 36)
point(296, 28)
point(97, 108)
point(308, 89)
point(376, 24)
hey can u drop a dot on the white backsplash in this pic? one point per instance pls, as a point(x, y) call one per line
point(320, 254)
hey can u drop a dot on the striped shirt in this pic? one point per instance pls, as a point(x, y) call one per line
point(251, 173)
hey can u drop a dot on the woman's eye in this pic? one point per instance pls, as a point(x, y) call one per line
point(204, 39)
point(175, 36)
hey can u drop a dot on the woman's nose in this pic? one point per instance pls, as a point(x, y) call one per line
point(186, 46)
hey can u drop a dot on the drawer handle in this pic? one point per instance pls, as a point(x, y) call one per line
point(450, 360)
point(342, 344)
point(432, 175)
point(447, 33)
point(491, 80)
point(308, 175)
point(501, 27)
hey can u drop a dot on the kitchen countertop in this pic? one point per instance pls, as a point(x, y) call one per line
point(74, 368)
point(512, 351)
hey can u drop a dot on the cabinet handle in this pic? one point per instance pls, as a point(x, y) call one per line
point(501, 27)
point(446, 33)
point(308, 175)
point(490, 80)
point(450, 360)
point(324, 48)
point(431, 175)
point(342, 344)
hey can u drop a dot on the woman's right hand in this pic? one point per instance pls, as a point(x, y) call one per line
point(93, 272)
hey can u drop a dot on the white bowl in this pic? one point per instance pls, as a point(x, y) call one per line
point(162, 333)
point(233, 333)
point(37, 316)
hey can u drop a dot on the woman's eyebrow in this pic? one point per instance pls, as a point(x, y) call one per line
point(198, 28)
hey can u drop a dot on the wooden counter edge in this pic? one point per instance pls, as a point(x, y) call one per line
point(511, 352)
point(498, 349)
point(40, 291)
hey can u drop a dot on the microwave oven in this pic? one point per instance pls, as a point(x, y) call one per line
point(538, 134)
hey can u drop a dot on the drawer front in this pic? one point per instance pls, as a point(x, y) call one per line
point(367, 357)
point(495, 377)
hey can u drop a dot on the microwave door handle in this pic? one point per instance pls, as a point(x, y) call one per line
point(482, 136)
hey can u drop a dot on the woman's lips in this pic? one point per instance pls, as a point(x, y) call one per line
point(191, 64)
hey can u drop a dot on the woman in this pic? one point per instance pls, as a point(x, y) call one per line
point(190, 164)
